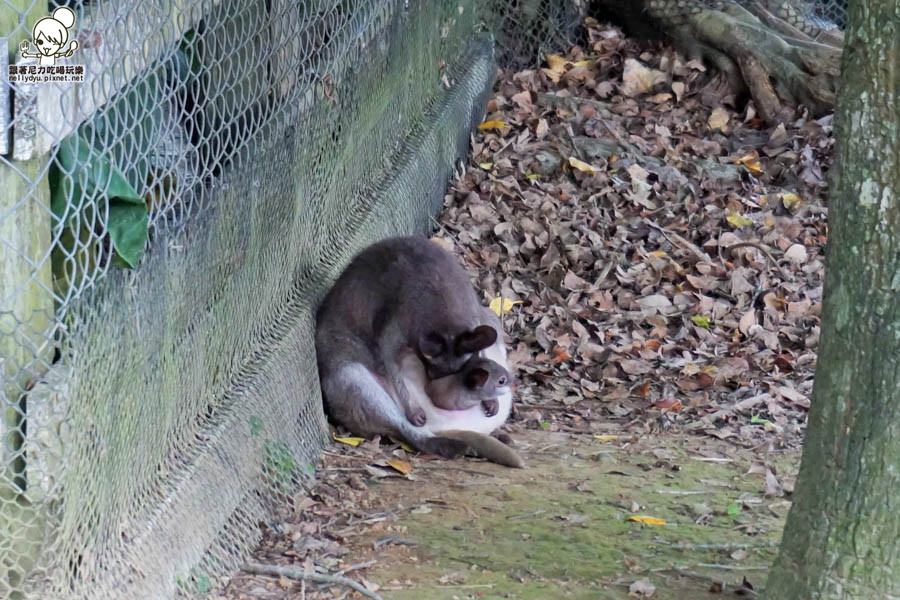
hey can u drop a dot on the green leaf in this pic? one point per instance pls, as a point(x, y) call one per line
point(83, 178)
point(128, 230)
point(701, 321)
point(734, 510)
point(758, 420)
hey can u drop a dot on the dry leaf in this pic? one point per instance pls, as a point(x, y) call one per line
point(654, 301)
point(796, 254)
point(560, 355)
point(443, 242)
point(751, 162)
point(641, 588)
point(647, 520)
point(638, 79)
point(605, 437)
point(556, 66)
point(747, 321)
point(492, 125)
point(501, 305)
point(581, 165)
point(350, 441)
point(738, 220)
point(672, 404)
point(660, 98)
point(401, 466)
point(718, 119)
point(790, 200)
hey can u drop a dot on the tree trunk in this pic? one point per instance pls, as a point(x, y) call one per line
point(842, 538)
point(778, 50)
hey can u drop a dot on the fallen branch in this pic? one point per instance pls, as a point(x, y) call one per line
point(764, 250)
point(301, 575)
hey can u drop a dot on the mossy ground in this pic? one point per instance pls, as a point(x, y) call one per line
point(560, 529)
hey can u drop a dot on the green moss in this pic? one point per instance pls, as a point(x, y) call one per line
point(564, 528)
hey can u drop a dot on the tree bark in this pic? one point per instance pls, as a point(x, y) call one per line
point(777, 50)
point(842, 538)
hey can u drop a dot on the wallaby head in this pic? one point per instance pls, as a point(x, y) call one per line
point(443, 354)
point(480, 381)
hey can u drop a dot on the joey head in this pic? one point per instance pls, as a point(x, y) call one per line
point(481, 381)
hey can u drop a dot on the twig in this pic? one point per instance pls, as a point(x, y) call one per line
point(686, 573)
point(708, 420)
point(300, 575)
point(684, 546)
point(733, 567)
point(356, 567)
point(526, 515)
point(575, 149)
point(679, 241)
point(392, 539)
point(764, 250)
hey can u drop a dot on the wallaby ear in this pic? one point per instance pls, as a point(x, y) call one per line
point(431, 344)
point(476, 378)
point(478, 339)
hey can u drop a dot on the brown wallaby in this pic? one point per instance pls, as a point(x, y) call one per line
point(404, 312)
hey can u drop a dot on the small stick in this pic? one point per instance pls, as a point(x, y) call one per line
point(357, 566)
point(764, 250)
point(300, 575)
point(732, 567)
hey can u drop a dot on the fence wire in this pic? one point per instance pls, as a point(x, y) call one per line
point(174, 200)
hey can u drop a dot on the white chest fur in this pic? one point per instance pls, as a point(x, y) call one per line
point(472, 419)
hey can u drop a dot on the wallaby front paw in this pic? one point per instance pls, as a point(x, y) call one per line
point(416, 417)
point(490, 407)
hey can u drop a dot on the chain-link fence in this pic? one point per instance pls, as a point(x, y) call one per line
point(180, 180)
point(175, 199)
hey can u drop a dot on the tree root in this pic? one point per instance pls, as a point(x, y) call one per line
point(780, 59)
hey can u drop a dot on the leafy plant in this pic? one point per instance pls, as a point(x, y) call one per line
point(83, 178)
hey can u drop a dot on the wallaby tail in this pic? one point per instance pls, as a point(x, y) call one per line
point(483, 445)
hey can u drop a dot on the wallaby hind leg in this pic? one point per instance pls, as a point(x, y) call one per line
point(357, 399)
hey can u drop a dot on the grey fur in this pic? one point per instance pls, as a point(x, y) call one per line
point(393, 295)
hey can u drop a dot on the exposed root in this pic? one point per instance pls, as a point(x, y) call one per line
point(780, 59)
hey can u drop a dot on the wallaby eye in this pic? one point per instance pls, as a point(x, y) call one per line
point(502, 380)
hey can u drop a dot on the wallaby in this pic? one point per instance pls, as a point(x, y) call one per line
point(402, 313)
point(479, 383)
point(405, 297)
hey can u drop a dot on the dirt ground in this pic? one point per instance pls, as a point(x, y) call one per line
point(559, 528)
point(657, 253)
